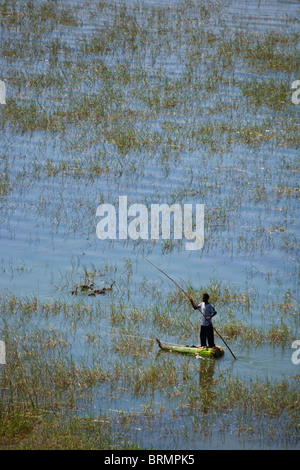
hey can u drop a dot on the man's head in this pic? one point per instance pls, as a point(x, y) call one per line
point(205, 298)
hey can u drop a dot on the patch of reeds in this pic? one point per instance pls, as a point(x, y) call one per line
point(271, 51)
point(269, 93)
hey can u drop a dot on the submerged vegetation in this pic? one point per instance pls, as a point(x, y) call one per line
point(171, 102)
point(46, 393)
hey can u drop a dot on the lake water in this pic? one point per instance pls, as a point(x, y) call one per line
point(163, 102)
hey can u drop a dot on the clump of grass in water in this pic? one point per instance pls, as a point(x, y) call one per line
point(269, 93)
point(268, 52)
point(281, 335)
point(13, 14)
point(141, 377)
point(224, 296)
point(5, 184)
point(42, 383)
point(259, 398)
point(30, 116)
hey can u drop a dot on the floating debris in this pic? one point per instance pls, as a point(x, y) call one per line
point(89, 289)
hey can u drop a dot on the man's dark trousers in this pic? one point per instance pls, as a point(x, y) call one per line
point(207, 332)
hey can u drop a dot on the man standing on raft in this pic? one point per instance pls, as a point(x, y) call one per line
point(206, 331)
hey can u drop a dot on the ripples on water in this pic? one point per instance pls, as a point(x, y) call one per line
point(176, 125)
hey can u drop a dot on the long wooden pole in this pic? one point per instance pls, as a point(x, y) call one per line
point(186, 294)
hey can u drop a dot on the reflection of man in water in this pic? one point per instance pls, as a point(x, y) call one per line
point(206, 331)
point(206, 384)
